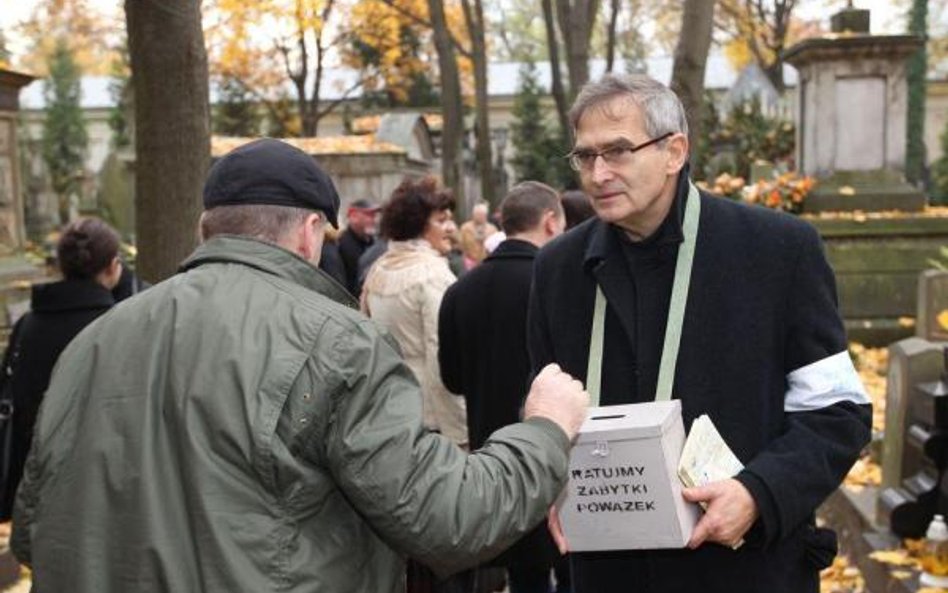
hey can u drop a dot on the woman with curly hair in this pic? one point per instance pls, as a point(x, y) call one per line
point(87, 257)
point(404, 287)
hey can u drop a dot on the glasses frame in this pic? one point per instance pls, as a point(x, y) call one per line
point(573, 158)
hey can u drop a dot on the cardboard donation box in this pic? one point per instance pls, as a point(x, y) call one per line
point(624, 492)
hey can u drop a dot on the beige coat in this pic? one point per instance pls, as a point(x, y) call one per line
point(403, 292)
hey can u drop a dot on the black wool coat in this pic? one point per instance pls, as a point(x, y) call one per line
point(482, 352)
point(351, 248)
point(762, 303)
point(59, 311)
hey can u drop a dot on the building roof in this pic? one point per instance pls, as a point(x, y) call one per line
point(504, 77)
point(94, 94)
point(365, 144)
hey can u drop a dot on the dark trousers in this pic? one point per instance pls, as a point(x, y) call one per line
point(536, 579)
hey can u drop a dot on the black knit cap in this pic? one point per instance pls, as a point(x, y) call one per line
point(269, 171)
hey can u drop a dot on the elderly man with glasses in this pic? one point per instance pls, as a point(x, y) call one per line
point(742, 300)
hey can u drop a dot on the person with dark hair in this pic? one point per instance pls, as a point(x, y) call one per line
point(87, 257)
point(576, 206)
point(483, 355)
point(242, 427)
point(404, 287)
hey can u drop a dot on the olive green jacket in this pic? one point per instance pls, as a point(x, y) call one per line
point(239, 427)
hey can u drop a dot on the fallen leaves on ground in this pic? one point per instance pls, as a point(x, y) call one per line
point(864, 473)
point(898, 557)
point(860, 216)
point(873, 365)
point(841, 577)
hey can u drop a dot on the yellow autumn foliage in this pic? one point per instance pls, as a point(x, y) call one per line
point(90, 35)
point(398, 34)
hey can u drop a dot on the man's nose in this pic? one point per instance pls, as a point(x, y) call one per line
point(601, 172)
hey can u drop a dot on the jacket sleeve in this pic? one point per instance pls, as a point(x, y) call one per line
point(421, 493)
point(827, 414)
point(449, 355)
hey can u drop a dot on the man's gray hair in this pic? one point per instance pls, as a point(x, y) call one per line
point(660, 106)
point(259, 221)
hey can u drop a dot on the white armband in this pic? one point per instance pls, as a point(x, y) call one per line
point(823, 383)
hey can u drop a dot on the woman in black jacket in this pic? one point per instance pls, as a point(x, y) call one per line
point(87, 255)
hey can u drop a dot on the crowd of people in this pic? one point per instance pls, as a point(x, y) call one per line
point(304, 410)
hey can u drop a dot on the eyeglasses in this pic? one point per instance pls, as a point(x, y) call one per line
point(616, 155)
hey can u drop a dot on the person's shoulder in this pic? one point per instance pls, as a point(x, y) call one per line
point(473, 279)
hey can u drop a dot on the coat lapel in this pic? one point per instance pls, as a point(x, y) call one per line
point(604, 255)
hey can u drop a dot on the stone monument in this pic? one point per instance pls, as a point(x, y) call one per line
point(11, 200)
point(852, 102)
point(16, 272)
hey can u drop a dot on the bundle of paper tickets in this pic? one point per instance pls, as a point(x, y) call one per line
point(706, 458)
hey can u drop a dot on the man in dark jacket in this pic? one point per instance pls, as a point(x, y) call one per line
point(483, 347)
point(359, 235)
point(242, 427)
point(762, 347)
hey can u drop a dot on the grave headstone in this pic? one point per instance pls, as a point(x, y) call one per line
point(931, 322)
point(911, 361)
point(911, 504)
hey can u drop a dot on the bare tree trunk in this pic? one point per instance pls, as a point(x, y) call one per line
point(474, 16)
point(452, 131)
point(556, 74)
point(611, 39)
point(576, 21)
point(172, 129)
point(691, 56)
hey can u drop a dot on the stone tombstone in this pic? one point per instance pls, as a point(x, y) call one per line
point(931, 322)
point(911, 362)
point(852, 106)
point(11, 202)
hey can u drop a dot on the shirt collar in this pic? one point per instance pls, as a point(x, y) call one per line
point(269, 258)
point(606, 237)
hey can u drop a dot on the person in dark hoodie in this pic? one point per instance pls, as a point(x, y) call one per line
point(87, 255)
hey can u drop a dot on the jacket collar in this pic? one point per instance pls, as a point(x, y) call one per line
point(603, 236)
point(70, 295)
point(514, 249)
point(269, 258)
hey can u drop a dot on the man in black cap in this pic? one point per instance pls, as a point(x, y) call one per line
point(242, 427)
point(359, 235)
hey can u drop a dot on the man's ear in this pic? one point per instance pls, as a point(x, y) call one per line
point(678, 152)
point(307, 243)
point(549, 223)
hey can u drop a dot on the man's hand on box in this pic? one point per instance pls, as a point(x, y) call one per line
point(730, 511)
point(559, 397)
point(556, 531)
